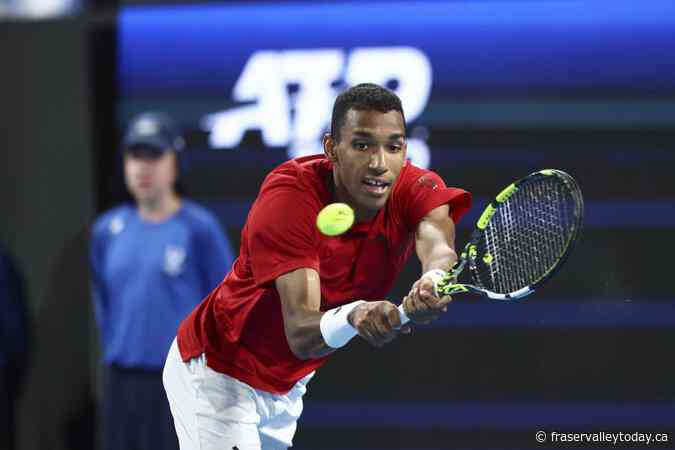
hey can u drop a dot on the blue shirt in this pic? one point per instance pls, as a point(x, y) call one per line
point(147, 277)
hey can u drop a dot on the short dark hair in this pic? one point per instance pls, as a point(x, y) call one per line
point(363, 97)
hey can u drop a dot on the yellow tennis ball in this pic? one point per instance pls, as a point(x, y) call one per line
point(335, 219)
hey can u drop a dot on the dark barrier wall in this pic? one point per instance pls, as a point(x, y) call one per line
point(46, 198)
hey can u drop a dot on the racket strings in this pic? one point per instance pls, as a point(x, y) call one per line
point(526, 236)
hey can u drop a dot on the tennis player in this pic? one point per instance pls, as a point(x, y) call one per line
point(237, 371)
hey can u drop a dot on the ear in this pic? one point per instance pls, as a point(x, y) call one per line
point(329, 148)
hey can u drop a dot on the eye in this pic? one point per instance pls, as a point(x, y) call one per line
point(395, 148)
point(360, 146)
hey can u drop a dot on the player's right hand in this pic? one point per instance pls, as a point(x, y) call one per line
point(377, 322)
point(422, 305)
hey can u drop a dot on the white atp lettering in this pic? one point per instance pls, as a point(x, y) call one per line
point(407, 66)
point(259, 83)
point(289, 95)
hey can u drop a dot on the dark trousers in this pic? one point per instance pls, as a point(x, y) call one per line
point(9, 390)
point(135, 413)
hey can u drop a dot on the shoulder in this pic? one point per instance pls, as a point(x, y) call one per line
point(112, 221)
point(413, 177)
point(300, 180)
point(302, 172)
point(412, 173)
point(199, 218)
point(197, 213)
point(419, 191)
point(290, 198)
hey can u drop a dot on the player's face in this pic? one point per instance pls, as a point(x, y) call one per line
point(368, 158)
point(150, 176)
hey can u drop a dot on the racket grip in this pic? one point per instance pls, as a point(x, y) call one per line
point(436, 275)
point(403, 316)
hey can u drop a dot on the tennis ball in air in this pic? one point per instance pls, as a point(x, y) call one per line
point(335, 219)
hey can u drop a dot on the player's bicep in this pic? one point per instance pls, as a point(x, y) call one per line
point(282, 237)
point(300, 292)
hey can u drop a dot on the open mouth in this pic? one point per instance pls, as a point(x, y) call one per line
point(144, 183)
point(376, 186)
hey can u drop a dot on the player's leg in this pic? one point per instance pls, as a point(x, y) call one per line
point(277, 432)
point(211, 411)
point(269, 443)
point(279, 416)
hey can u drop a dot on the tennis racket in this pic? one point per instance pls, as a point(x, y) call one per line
point(521, 239)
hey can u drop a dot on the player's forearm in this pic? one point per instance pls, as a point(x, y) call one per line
point(435, 240)
point(300, 294)
point(441, 256)
point(304, 337)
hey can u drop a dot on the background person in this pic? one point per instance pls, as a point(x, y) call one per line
point(151, 263)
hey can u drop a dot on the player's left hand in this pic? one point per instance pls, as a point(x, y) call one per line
point(422, 305)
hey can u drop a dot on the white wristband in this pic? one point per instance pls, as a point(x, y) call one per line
point(335, 327)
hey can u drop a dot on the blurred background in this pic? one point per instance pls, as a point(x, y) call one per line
point(492, 90)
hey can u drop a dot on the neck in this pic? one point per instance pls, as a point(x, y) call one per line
point(159, 209)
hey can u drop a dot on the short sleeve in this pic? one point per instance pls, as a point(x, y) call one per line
point(420, 191)
point(282, 234)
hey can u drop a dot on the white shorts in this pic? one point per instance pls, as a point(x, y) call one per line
point(213, 411)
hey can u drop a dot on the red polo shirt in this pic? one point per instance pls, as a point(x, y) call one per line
point(239, 326)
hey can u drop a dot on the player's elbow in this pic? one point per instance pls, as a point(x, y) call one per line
point(299, 349)
point(302, 342)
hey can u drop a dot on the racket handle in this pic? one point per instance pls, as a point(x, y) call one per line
point(436, 275)
point(401, 313)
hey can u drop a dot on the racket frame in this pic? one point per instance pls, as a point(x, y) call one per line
point(446, 286)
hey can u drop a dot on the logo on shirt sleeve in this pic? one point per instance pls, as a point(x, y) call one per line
point(116, 225)
point(427, 182)
point(174, 260)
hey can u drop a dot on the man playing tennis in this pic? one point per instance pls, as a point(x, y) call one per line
point(237, 371)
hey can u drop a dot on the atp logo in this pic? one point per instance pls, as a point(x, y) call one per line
point(288, 95)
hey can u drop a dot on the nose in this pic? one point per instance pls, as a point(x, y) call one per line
point(377, 161)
